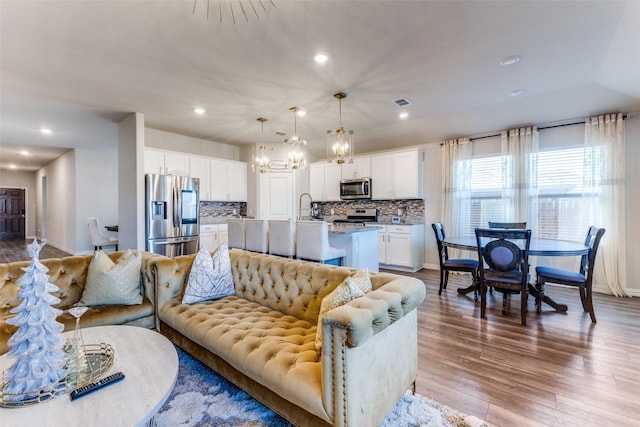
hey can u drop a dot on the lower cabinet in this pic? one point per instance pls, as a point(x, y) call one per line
point(401, 246)
point(213, 235)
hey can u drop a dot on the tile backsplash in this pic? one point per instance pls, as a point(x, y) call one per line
point(388, 208)
point(214, 210)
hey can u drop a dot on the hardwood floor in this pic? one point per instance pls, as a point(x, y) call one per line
point(559, 370)
point(16, 250)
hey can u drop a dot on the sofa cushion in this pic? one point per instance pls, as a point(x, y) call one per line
point(110, 283)
point(210, 276)
point(272, 348)
point(345, 292)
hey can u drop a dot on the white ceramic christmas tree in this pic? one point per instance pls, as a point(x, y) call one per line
point(37, 344)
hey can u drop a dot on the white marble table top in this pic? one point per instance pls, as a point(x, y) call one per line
point(147, 359)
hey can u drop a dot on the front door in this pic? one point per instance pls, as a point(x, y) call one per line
point(12, 213)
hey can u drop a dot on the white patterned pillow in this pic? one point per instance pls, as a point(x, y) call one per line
point(363, 280)
point(346, 291)
point(210, 276)
point(110, 283)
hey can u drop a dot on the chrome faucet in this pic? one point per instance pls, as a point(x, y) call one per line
point(300, 205)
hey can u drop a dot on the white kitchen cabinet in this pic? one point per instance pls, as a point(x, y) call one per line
point(401, 246)
point(201, 168)
point(324, 181)
point(213, 235)
point(359, 168)
point(397, 175)
point(228, 180)
point(166, 162)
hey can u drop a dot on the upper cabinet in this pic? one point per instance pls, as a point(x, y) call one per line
point(165, 162)
point(324, 181)
point(220, 180)
point(359, 168)
point(397, 175)
point(228, 180)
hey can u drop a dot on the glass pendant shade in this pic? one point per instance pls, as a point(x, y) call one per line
point(341, 142)
point(297, 157)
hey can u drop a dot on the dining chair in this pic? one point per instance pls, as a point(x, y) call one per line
point(453, 264)
point(508, 225)
point(582, 279)
point(256, 235)
point(235, 229)
point(312, 243)
point(503, 256)
point(98, 240)
point(282, 237)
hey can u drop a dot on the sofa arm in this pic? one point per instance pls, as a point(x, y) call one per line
point(364, 317)
point(169, 275)
point(370, 352)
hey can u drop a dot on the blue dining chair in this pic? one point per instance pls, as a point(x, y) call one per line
point(582, 279)
point(504, 266)
point(452, 264)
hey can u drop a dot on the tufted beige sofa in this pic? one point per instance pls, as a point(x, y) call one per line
point(263, 337)
point(70, 274)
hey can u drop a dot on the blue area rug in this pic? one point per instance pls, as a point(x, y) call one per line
point(203, 398)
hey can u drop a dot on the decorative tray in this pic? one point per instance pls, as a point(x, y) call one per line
point(99, 361)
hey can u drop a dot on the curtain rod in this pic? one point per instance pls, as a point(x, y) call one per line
point(579, 122)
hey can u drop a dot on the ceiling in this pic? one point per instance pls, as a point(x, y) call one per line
point(78, 67)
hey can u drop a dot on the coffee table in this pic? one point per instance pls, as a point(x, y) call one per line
point(147, 359)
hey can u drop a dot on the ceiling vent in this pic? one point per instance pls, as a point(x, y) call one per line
point(402, 102)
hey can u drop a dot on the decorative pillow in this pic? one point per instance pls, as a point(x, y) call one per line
point(345, 292)
point(110, 283)
point(210, 276)
point(363, 280)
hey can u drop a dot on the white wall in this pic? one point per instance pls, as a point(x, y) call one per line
point(26, 181)
point(130, 199)
point(96, 194)
point(154, 138)
point(61, 195)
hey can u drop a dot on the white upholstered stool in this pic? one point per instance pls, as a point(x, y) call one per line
point(282, 237)
point(256, 235)
point(235, 228)
point(312, 242)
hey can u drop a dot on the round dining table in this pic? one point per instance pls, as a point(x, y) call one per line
point(537, 247)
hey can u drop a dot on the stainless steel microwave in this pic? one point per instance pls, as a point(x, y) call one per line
point(359, 188)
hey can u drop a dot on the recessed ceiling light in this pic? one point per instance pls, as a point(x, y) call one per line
point(403, 115)
point(517, 92)
point(199, 110)
point(45, 131)
point(25, 153)
point(321, 58)
point(510, 60)
point(300, 113)
point(12, 166)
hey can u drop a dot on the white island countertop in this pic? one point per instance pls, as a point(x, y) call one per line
point(360, 243)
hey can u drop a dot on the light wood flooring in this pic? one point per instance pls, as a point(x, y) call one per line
point(559, 370)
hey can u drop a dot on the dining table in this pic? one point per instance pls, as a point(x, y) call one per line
point(537, 247)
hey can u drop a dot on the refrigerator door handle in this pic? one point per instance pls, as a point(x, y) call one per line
point(176, 207)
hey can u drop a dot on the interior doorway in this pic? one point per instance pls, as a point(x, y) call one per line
point(12, 213)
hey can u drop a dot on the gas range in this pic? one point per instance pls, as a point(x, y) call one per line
point(359, 216)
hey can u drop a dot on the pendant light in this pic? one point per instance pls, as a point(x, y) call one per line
point(297, 158)
point(340, 143)
point(260, 161)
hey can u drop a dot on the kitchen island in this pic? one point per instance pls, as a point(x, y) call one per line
point(360, 243)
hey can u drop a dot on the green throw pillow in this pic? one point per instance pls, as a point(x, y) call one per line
point(110, 283)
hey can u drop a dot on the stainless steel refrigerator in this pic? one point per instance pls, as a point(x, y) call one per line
point(171, 210)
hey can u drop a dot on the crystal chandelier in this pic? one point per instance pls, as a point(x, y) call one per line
point(341, 143)
point(297, 158)
point(260, 161)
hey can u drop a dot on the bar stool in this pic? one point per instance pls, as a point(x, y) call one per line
point(256, 235)
point(312, 243)
point(282, 237)
point(235, 228)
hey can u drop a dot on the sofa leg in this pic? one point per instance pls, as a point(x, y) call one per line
point(413, 388)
